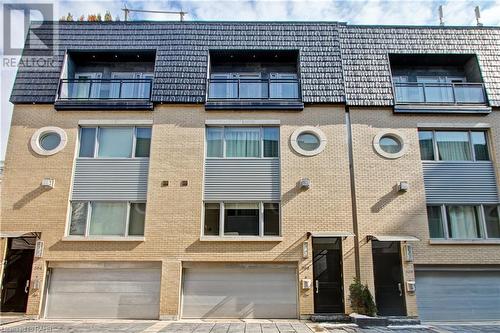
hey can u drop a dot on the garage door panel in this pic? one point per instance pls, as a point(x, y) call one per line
point(104, 293)
point(104, 287)
point(458, 295)
point(240, 292)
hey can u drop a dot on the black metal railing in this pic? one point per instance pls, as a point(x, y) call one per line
point(439, 93)
point(105, 89)
point(253, 89)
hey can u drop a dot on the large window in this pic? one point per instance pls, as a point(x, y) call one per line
point(464, 221)
point(99, 218)
point(242, 219)
point(242, 142)
point(453, 145)
point(115, 142)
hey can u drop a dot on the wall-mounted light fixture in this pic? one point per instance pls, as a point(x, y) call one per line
point(403, 186)
point(48, 183)
point(305, 249)
point(305, 183)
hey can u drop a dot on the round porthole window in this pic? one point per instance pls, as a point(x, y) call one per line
point(308, 141)
point(390, 144)
point(48, 140)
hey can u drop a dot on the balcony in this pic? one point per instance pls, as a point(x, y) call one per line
point(438, 83)
point(256, 93)
point(253, 80)
point(106, 81)
point(439, 93)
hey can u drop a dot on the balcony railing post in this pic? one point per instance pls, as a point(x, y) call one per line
point(454, 94)
point(238, 89)
point(424, 94)
point(120, 89)
point(268, 88)
point(90, 89)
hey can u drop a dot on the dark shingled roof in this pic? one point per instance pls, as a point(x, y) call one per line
point(332, 55)
point(366, 67)
point(182, 50)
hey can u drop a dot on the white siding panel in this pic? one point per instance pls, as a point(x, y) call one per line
point(110, 179)
point(460, 182)
point(242, 179)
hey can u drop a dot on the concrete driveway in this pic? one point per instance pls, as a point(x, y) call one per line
point(231, 326)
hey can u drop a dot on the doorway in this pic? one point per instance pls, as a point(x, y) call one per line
point(327, 271)
point(388, 273)
point(17, 274)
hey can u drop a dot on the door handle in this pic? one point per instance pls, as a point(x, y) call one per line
point(317, 286)
point(400, 290)
point(27, 286)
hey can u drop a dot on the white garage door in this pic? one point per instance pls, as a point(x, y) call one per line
point(458, 294)
point(104, 290)
point(240, 291)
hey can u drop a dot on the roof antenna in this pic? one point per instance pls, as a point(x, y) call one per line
point(127, 11)
point(441, 16)
point(478, 16)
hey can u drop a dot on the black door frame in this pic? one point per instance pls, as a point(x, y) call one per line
point(341, 264)
point(6, 267)
point(402, 279)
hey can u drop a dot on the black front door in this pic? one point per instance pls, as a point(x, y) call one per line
point(388, 271)
point(17, 273)
point(327, 269)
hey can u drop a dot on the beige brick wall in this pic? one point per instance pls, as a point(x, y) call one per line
point(383, 211)
point(173, 219)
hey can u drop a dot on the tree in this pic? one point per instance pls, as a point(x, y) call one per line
point(108, 17)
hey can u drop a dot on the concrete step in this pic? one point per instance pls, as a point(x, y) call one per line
point(403, 321)
point(330, 317)
point(367, 321)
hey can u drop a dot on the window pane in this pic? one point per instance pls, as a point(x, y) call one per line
point(212, 219)
point(115, 142)
point(143, 142)
point(453, 146)
point(215, 141)
point(435, 220)
point(242, 142)
point(480, 146)
point(463, 222)
point(136, 219)
point(271, 141)
point(271, 219)
point(108, 218)
point(241, 219)
point(492, 221)
point(426, 146)
point(79, 212)
point(87, 141)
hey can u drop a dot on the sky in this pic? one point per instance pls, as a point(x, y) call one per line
point(386, 12)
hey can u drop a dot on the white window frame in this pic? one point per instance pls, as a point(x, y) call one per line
point(261, 155)
point(222, 215)
point(481, 216)
point(471, 145)
point(89, 216)
point(96, 141)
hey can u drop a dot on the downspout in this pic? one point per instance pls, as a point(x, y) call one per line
point(353, 193)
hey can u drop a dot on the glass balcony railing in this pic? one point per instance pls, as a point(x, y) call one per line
point(253, 89)
point(439, 93)
point(105, 89)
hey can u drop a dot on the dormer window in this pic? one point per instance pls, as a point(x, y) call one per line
point(437, 83)
point(106, 80)
point(253, 80)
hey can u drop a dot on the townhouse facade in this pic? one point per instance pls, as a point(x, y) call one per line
point(162, 170)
